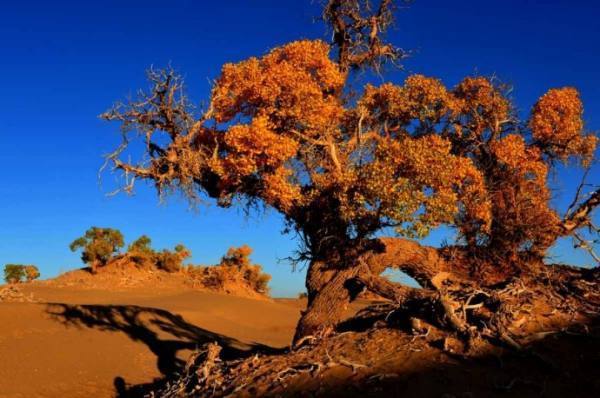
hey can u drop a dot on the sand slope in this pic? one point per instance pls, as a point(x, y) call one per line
point(83, 343)
point(96, 343)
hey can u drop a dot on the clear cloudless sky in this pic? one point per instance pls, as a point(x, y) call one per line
point(62, 63)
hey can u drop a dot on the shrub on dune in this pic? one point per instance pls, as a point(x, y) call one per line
point(234, 269)
point(98, 246)
point(31, 272)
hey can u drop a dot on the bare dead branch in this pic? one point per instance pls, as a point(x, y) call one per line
point(586, 245)
point(358, 29)
point(581, 215)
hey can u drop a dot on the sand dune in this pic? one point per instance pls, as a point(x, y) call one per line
point(83, 343)
point(76, 342)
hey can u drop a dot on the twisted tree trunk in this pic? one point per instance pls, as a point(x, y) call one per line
point(422, 263)
point(331, 289)
point(328, 298)
point(449, 289)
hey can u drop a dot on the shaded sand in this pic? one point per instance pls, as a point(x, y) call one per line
point(81, 343)
point(96, 343)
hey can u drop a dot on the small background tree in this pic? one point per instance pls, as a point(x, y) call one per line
point(140, 251)
point(98, 246)
point(141, 244)
point(31, 272)
point(14, 273)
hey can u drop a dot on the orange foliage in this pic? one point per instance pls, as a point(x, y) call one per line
point(280, 129)
point(557, 125)
point(293, 86)
point(255, 148)
point(521, 197)
point(419, 180)
point(478, 98)
point(420, 98)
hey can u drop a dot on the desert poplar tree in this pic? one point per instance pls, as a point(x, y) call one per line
point(284, 131)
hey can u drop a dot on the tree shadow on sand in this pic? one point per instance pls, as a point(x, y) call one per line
point(163, 332)
point(562, 364)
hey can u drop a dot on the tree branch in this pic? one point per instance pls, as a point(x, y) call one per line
point(358, 31)
point(581, 215)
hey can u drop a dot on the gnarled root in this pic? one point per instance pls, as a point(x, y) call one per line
point(203, 371)
point(437, 322)
point(450, 298)
point(469, 312)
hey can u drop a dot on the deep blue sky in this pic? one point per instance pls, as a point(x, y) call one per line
point(64, 62)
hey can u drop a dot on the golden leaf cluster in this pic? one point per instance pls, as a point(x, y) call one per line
point(281, 129)
point(556, 124)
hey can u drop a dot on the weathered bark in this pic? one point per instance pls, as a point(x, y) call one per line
point(331, 289)
point(328, 298)
point(392, 291)
point(432, 267)
point(423, 263)
point(449, 294)
point(581, 215)
point(435, 306)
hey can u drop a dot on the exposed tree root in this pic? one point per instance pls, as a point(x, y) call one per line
point(453, 316)
point(423, 328)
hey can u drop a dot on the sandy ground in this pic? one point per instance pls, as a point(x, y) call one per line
point(85, 343)
point(78, 342)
